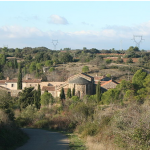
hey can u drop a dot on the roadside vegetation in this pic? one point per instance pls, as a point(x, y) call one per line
point(117, 119)
point(10, 134)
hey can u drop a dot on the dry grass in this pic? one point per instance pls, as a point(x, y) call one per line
point(93, 145)
point(73, 68)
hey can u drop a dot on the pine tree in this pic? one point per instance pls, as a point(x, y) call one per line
point(19, 83)
point(69, 93)
point(98, 92)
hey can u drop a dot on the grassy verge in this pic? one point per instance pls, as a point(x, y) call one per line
point(75, 142)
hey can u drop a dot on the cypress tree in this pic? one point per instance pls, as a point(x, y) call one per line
point(19, 83)
point(73, 92)
point(35, 98)
point(62, 95)
point(69, 93)
point(98, 92)
point(39, 96)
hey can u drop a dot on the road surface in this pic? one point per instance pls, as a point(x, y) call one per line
point(45, 140)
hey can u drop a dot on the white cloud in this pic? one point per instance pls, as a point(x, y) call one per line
point(19, 32)
point(27, 18)
point(55, 19)
point(88, 24)
point(106, 38)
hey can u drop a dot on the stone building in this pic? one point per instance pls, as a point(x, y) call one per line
point(82, 83)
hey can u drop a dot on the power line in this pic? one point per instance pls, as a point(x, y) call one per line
point(137, 39)
point(55, 42)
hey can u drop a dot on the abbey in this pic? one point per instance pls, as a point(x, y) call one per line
point(82, 83)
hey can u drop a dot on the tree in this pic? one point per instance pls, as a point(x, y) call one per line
point(15, 64)
point(130, 60)
point(1, 76)
point(39, 66)
point(32, 67)
point(69, 93)
point(62, 95)
point(19, 83)
point(98, 92)
point(46, 99)
point(49, 63)
point(6, 104)
point(51, 69)
point(65, 57)
point(3, 61)
point(85, 69)
point(73, 92)
point(39, 96)
point(26, 97)
point(138, 78)
point(132, 52)
point(110, 96)
point(108, 61)
point(119, 60)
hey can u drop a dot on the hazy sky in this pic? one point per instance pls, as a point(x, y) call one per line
point(75, 24)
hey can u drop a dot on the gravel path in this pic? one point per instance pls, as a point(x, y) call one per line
point(45, 140)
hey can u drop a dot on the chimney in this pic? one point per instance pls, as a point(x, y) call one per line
point(7, 78)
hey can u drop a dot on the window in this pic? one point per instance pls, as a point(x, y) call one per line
point(12, 85)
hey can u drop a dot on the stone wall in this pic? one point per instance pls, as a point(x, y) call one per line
point(14, 93)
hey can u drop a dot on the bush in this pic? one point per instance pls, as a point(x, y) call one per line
point(41, 124)
point(85, 69)
point(10, 135)
point(22, 122)
point(88, 128)
point(108, 61)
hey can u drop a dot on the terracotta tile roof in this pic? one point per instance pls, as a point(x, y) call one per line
point(48, 88)
point(32, 81)
point(109, 84)
point(106, 82)
point(2, 81)
point(12, 80)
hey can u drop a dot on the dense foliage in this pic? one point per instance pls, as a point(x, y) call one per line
point(117, 118)
point(10, 135)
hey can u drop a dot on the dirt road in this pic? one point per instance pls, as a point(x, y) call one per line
point(45, 140)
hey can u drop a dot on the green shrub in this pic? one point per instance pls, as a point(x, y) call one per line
point(22, 122)
point(88, 128)
point(10, 135)
point(108, 61)
point(41, 124)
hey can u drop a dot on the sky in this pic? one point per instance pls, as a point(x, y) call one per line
point(75, 24)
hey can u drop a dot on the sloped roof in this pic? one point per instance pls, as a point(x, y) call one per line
point(12, 80)
point(48, 88)
point(83, 75)
point(79, 80)
point(3, 88)
point(109, 82)
point(2, 81)
point(32, 81)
